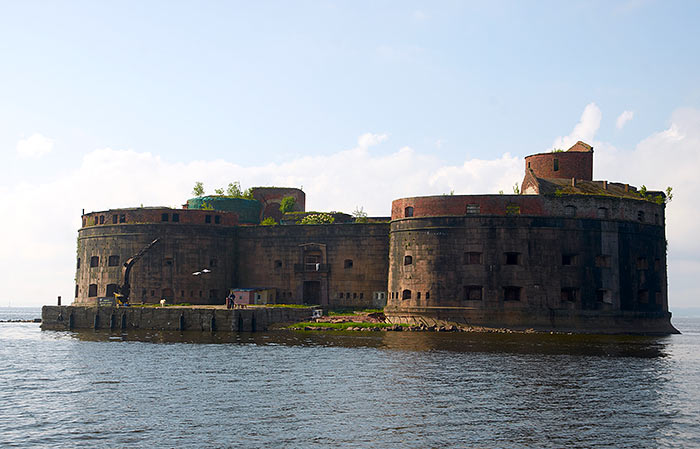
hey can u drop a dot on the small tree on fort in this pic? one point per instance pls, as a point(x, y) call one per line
point(234, 189)
point(198, 189)
point(287, 204)
point(360, 215)
point(219, 191)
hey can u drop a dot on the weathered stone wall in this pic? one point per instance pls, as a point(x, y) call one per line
point(352, 262)
point(165, 271)
point(169, 318)
point(271, 198)
point(526, 271)
point(570, 164)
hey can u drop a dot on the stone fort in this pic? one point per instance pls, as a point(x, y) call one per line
point(567, 253)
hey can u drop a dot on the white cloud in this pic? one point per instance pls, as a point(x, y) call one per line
point(34, 146)
point(625, 117)
point(368, 139)
point(585, 129)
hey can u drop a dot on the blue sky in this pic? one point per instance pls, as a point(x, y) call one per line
point(344, 98)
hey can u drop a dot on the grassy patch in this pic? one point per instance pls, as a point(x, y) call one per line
point(350, 311)
point(340, 326)
point(289, 306)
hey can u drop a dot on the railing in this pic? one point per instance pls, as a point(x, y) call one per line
point(312, 268)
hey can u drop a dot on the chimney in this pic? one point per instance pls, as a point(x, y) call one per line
point(605, 185)
point(627, 187)
point(573, 182)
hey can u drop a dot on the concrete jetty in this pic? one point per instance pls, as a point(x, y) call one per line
point(171, 318)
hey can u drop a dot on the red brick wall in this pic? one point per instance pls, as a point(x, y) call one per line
point(572, 164)
point(432, 206)
point(141, 216)
point(584, 206)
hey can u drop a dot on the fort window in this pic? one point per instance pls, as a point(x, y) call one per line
point(568, 259)
point(602, 261)
point(511, 293)
point(200, 293)
point(417, 295)
point(603, 296)
point(111, 290)
point(348, 263)
point(408, 212)
point(473, 209)
point(143, 293)
point(512, 258)
point(569, 294)
point(640, 216)
point(115, 219)
point(278, 264)
point(656, 218)
point(312, 260)
point(347, 295)
point(78, 264)
point(471, 258)
point(340, 295)
point(473, 292)
point(94, 261)
point(427, 295)
point(408, 260)
point(176, 218)
point(642, 263)
point(643, 296)
point(168, 262)
point(512, 209)
point(657, 264)
point(406, 294)
point(207, 218)
point(163, 217)
point(113, 261)
point(153, 293)
point(213, 263)
point(570, 211)
point(122, 218)
point(354, 296)
point(556, 164)
point(102, 219)
point(528, 165)
point(217, 219)
point(602, 212)
point(182, 293)
point(92, 290)
point(76, 290)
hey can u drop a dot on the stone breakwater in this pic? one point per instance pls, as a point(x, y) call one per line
point(170, 318)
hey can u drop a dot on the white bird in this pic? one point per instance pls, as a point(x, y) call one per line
point(206, 270)
point(196, 273)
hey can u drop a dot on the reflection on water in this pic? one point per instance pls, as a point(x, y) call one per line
point(593, 345)
point(347, 389)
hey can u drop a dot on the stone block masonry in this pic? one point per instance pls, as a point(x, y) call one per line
point(170, 318)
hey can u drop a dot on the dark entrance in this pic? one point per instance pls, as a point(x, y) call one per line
point(312, 292)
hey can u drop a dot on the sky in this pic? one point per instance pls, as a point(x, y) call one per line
point(122, 104)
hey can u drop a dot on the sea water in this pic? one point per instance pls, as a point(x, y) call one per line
point(346, 389)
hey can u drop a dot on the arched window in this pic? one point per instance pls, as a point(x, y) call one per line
point(570, 211)
point(406, 294)
point(408, 260)
point(408, 212)
point(602, 212)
